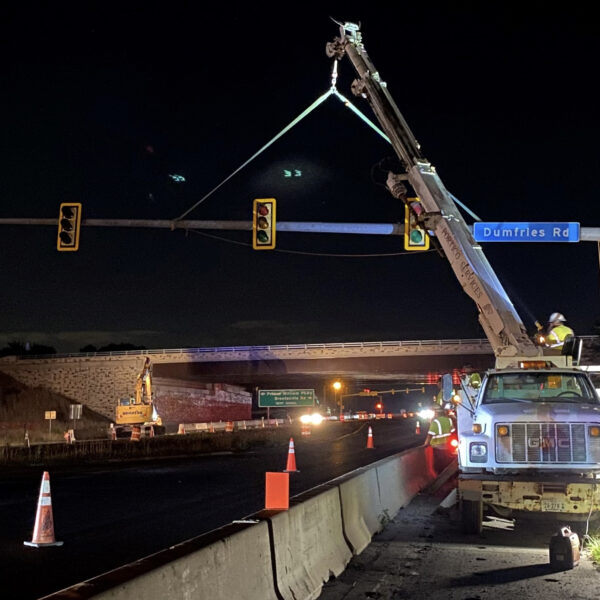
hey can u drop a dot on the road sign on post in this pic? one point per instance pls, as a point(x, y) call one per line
point(277, 398)
point(526, 232)
point(50, 415)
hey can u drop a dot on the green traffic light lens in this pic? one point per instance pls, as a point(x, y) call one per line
point(416, 236)
point(262, 236)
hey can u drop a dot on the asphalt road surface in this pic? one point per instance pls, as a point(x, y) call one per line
point(112, 515)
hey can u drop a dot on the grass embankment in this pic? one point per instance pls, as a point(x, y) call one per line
point(23, 409)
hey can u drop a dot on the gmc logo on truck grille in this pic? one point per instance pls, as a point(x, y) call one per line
point(548, 443)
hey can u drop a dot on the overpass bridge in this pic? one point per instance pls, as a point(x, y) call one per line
point(98, 379)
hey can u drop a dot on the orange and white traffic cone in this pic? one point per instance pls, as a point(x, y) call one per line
point(113, 432)
point(418, 428)
point(370, 439)
point(181, 430)
point(43, 530)
point(291, 461)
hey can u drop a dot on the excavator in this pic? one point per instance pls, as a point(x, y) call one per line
point(529, 436)
point(139, 410)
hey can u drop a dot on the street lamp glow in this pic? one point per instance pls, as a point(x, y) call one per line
point(336, 385)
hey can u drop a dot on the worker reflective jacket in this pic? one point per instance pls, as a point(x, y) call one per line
point(557, 335)
point(440, 429)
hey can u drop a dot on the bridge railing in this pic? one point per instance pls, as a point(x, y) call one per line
point(267, 348)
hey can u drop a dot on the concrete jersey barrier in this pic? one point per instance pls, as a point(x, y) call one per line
point(309, 544)
point(231, 562)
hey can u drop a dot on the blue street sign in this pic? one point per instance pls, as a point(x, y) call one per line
point(526, 232)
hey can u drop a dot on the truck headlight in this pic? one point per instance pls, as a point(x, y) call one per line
point(478, 452)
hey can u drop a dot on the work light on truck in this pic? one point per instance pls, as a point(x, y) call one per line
point(477, 428)
point(594, 431)
point(502, 430)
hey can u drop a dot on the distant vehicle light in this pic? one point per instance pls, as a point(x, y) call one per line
point(426, 414)
point(317, 419)
point(313, 419)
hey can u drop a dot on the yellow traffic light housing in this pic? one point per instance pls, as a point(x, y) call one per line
point(69, 223)
point(263, 224)
point(415, 236)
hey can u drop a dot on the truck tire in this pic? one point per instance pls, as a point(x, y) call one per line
point(471, 515)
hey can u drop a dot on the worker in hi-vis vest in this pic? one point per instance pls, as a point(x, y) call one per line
point(440, 430)
point(557, 331)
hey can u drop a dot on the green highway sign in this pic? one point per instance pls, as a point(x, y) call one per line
point(270, 398)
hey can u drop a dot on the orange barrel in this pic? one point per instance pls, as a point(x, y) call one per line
point(136, 433)
point(229, 427)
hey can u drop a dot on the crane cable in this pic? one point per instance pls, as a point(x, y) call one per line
point(332, 91)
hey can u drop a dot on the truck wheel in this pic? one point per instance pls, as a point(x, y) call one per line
point(471, 514)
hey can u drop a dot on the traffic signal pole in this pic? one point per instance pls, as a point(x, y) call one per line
point(289, 226)
point(587, 234)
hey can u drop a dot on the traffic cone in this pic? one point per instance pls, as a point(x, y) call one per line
point(291, 461)
point(181, 430)
point(370, 439)
point(113, 432)
point(418, 428)
point(43, 530)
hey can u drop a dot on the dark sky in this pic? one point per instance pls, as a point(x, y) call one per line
point(100, 105)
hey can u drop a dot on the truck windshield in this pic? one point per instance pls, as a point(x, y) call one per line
point(539, 387)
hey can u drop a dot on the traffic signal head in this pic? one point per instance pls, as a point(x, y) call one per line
point(69, 223)
point(263, 224)
point(415, 236)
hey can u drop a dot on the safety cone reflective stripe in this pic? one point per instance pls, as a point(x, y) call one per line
point(291, 461)
point(370, 439)
point(43, 530)
point(418, 428)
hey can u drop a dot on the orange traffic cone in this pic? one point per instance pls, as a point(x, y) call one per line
point(418, 428)
point(291, 461)
point(43, 530)
point(181, 430)
point(370, 439)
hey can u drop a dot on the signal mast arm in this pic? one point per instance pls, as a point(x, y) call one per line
point(497, 315)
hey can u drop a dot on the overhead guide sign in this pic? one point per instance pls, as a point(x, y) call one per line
point(270, 398)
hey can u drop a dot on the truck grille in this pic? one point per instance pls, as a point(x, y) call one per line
point(544, 443)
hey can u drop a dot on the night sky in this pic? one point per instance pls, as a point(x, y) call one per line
point(101, 105)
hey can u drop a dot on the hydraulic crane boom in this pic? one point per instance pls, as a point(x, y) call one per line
point(497, 315)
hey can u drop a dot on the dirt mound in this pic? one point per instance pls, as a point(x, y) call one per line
point(23, 408)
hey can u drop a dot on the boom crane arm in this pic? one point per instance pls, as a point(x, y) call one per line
point(497, 315)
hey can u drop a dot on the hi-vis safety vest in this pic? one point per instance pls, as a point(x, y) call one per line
point(557, 335)
point(441, 429)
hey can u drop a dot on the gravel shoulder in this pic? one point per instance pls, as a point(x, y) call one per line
point(422, 554)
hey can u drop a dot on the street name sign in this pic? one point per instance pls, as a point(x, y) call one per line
point(526, 232)
point(270, 398)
